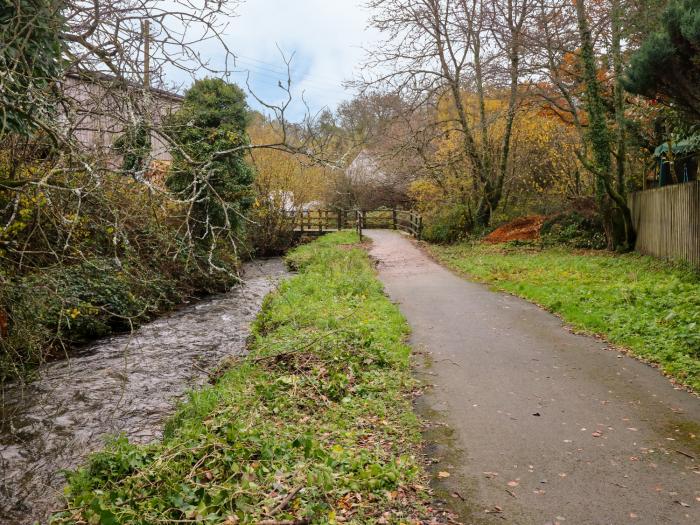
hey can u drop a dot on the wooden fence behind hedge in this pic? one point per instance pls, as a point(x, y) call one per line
point(667, 221)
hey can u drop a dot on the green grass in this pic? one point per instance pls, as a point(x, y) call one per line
point(649, 306)
point(314, 426)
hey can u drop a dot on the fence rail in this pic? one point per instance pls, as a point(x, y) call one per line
point(322, 221)
point(667, 221)
point(327, 220)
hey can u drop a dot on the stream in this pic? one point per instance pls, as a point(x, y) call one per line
point(122, 384)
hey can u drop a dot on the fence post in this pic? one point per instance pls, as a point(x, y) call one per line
point(420, 227)
point(359, 216)
point(301, 221)
point(320, 221)
point(340, 219)
point(393, 218)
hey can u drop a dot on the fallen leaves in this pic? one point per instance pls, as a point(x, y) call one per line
point(457, 495)
point(4, 332)
point(443, 474)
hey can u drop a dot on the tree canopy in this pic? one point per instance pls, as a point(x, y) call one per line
point(666, 67)
point(209, 168)
point(30, 61)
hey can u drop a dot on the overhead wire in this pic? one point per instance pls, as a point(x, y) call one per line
point(275, 80)
point(244, 58)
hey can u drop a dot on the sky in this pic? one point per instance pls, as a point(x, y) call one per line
point(327, 37)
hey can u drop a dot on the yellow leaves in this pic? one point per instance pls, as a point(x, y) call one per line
point(543, 150)
point(281, 177)
point(424, 192)
point(74, 313)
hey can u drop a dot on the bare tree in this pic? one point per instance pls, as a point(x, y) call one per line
point(119, 55)
point(457, 50)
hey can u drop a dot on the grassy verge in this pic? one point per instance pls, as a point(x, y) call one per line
point(314, 426)
point(646, 305)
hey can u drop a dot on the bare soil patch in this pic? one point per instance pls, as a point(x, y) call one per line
point(520, 229)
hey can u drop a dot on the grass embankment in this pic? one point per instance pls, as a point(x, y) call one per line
point(313, 426)
point(646, 305)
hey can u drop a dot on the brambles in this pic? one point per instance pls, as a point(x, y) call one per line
point(574, 230)
point(447, 224)
point(79, 265)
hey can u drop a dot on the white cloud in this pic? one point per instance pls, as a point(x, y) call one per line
point(327, 37)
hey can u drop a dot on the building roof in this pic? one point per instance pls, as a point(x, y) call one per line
point(96, 76)
point(365, 169)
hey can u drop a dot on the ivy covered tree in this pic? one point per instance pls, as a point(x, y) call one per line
point(134, 145)
point(611, 199)
point(209, 169)
point(30, 61)
point(667, 65)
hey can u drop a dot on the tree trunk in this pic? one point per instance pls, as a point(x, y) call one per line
point(599, 135)
point(616, 29)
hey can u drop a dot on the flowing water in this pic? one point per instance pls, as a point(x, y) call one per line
point(124, 384)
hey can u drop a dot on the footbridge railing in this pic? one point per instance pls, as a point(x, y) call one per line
point(320, 221)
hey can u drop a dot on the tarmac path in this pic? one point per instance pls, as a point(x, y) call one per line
point(545, 426)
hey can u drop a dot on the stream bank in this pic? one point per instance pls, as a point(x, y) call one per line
point(125, 384)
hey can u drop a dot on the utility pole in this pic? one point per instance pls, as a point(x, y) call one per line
point(146, 31)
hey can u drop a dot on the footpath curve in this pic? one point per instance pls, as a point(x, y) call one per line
point(551, 427)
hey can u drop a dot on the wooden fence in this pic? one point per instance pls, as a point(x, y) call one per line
point(667, 221)
point(317, 222)
point(323, 221)
point(393, 219)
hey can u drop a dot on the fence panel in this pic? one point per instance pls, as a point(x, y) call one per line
point(667, 221)
point(318, 221)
